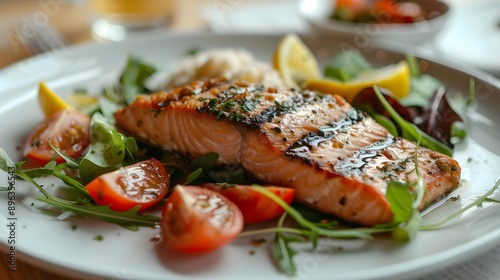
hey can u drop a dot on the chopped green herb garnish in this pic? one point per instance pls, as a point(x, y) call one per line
point(192, 52)
point(212, 102)
point(228, 105)
point(249, 105)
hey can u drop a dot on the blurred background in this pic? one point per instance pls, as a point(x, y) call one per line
point(469, 31)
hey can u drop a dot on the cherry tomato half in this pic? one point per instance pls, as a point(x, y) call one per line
point(255, 206)
point(68, 130)
point(199, 220)
point(144, 183)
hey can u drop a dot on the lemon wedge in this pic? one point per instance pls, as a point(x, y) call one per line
point(49, 101)
point(394, 77)
point(294, 61)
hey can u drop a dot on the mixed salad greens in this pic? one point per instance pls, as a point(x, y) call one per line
point(420, 114)
point(109, 153)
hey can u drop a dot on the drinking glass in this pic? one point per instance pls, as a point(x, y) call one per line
point(117, 20)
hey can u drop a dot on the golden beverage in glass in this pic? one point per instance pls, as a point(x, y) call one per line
point(116, 19)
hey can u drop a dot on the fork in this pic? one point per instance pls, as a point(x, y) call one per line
point(40, 38)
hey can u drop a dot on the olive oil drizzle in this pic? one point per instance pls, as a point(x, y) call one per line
point(354, 164)
point(303, 147)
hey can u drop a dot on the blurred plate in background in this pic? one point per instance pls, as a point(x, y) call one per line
point(474, 36)
point(318, 13)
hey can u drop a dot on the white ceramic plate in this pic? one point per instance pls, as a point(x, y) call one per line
point(275, 17)
point(47, 242)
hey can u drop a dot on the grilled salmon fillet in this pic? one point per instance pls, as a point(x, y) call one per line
point(338, 159)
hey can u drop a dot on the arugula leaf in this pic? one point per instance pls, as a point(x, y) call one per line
point(133, 78)
point(315, 216)
point(315, 230)
point(223, 174)
point(71, 162)
point(422, 86)
point(201, 170)
point(405, 200)
point(471, 99)
point(193, 175)
point(458, 132)
point(407, 217)
point(282, 252)
point(476, 203)
point(201, 166)
point(386, 122)
point(347, 66)
point(407, 232)
point(491, 200)
point(400, 200)
point(413, 65)
point(340, 74)
point(107, 146)
point(5, 161)
point(41, 171)
point(129, 219)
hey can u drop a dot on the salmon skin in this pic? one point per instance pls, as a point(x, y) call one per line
point(337, 158)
